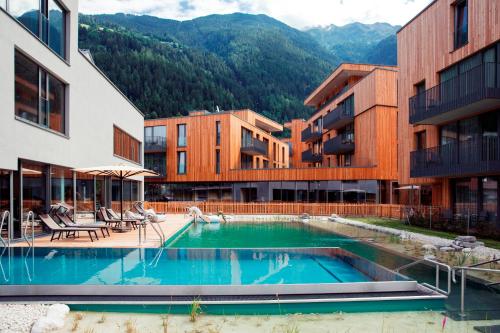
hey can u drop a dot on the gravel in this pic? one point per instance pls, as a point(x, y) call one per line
point(479, 251)
point(18, 318)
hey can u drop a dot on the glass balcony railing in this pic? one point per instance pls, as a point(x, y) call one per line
point(309, 135)
point(155, 144)
point(470, 93)
point(339, 145)
point(339, 117)
point(309, 157)
point(253, 146)
point(479, 155)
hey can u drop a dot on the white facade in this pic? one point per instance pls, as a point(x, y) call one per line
point(93, 103)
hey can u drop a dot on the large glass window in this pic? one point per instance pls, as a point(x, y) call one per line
point(40, 97)
point(45, 18)
point(217, 133)
point(181, 162)
point(100, 192)
point(155, 138)
point(61, 185)
point(181, 135)
point(84, 193)
point(57, 27)
point(4, 191)
point(461, 23)
point(156, 162)
point(217, 161)
point(34, 191)
point(490, 197)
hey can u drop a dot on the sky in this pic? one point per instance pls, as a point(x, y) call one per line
point(299, 14)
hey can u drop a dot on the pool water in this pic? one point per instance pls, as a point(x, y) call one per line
point(173, 267)
point(482, 302)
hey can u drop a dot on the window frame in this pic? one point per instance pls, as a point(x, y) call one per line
point(48, 75)
point(179, 154)
point(179, 126)
point(457, 35)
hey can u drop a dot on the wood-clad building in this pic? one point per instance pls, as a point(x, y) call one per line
point(233, 155)
point(449, 103)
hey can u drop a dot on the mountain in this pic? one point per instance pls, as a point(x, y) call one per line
point(169, 67)
point(356, 42)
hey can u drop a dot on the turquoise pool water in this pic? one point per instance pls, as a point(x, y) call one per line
point(173, 267)
point(482, 301)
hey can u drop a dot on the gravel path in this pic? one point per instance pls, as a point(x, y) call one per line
point(18, 318)
point(480, 251)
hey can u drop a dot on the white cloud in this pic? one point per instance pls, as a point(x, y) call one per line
point(297, 13)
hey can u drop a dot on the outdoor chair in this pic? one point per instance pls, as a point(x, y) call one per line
point(58, 231)
point(116, 224)
point(133, 221)
point(68, 223)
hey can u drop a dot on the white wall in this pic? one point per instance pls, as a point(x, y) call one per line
point(93, 104)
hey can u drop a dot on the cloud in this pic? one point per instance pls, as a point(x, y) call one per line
point(297, 13)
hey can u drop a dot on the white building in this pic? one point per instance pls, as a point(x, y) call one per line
point(58, 111)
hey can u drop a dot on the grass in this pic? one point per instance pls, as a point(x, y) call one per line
point(397, 224)
point(195, 310)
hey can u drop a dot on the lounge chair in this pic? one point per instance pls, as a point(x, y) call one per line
point(68, 223)
point(150, 214)
point(116, 224)
point(58, 230)
point(134, 221)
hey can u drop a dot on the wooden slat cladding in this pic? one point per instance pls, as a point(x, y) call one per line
point(201, 147)
point(284, 208)
point(126, 146)
point(426, 47)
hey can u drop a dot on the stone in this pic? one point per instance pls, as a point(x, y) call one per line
point(429, 247)
point(469, 239)
point(470, 245)
point(447, 249)
point(456, 247)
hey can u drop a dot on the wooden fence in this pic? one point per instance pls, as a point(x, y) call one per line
point(283, 208)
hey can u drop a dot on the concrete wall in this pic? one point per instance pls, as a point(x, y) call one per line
point(94, 105)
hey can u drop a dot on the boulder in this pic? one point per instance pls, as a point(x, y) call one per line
point(469, 239)
point(447, 249)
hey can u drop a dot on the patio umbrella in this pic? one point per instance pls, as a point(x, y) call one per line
point(120, 171)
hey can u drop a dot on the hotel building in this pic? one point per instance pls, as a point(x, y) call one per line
point(58, 112)
point(346, 152)
point(449, 105)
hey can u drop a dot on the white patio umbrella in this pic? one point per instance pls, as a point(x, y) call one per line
point(120, 171)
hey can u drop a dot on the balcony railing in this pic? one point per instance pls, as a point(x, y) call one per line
point(479, 155)
point(339, 117)
point(309, 157)
point(338, 145)
point(253, 146)
point(309, 135)
point(470, 93)
point(155, 144)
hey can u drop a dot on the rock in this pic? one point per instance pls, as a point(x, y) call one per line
point(429, 247)
point(446, 249)
point(469, 239)
point(470, 245)
point(466, 250)
point(53, 320)
point(456, 247)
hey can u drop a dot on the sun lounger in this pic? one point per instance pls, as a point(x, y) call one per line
point(68, 223)
point(58, 231)
point(149, 213)
point(117, 224)
point(134, 221)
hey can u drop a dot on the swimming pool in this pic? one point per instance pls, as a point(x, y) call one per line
point(257, 280)
point(482, 301)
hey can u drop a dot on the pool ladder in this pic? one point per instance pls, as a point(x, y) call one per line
point(463, 278)
point(438, 265)
point(6, 217)
point(30, 219)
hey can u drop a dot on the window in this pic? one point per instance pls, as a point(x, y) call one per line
point(181, 135)
point(461, 24)
point(155, 138)
point(181, 162)
point(420, 140)
point(246, 137)
point(46, 19)
point(217, 161)
point(156, 162)
point(217, 133)
point(246, 161)
point(40, 97)
point(126, 146)
point(266, 164)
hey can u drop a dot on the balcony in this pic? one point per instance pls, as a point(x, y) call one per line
point(338, 118)
point(155, 144)
point(309, 157)
point(468, 94)
point(338, 145)
point(309, 135)
point(479, 155)
point(254, 147)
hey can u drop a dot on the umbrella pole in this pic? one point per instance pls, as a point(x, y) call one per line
point(121, 195)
